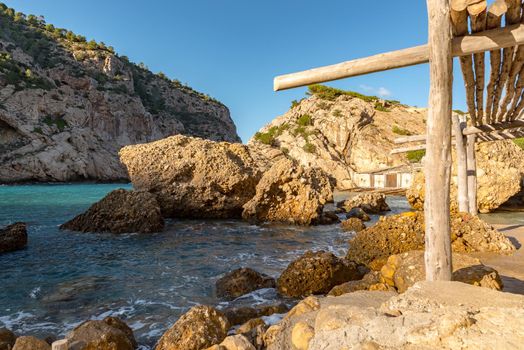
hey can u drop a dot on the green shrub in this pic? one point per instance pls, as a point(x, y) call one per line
point(416, 156)
point(305, 120)
point(519, 142)
point(323, 105)
point(269, 136)
point(458, 111)
point(309, 147)
point(295, 103)
point(58, 121)
point(380, 107)
point(337, 113)
point(400, 131)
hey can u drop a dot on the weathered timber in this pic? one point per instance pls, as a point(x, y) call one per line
point(438, 154)
point(477, 15)
point(472, 174)
point(471, 130)
point(511, 83)
point(462, 170)
point(500, 135)
point(462, 46)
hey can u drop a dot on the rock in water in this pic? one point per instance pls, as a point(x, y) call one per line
point(242, 281)
point(353, 224)
point(316, 273)
point(239, 315)
point(109, 334)
point(289, 193)
point(13, 237)
point(405, 232)
point(359, 214)
point(192, 177)
point(199, 328)
point(31, 343)
point(499, 173)
point(120, 211)
point(7, 339)
point(404, 270)
point(371, 203)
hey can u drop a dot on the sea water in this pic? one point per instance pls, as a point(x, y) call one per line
point(64, 278)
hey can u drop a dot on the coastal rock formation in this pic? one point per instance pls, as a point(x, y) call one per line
point(353, 224)
point(499, 174)
point(120, 211)
point(405, 232)
point(192, 177)
point(254, 331)
point(341, 132)
point(369, 279)
point(316, 273)
point(404, 270)
point(30, 343)
point(7, 339)
point(242, 281)
point(371, 203)
point(67, 105)
point(237, 342)
point(199, 328)
point(13, 237)
point(240, 315)
point(429, 315)
point(358, 214)
point(109, 334)
point(289, 193)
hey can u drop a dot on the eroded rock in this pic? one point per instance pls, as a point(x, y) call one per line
point(370, 203)
point(13, 237)
point(353, 224)
point(242, 281)
point(120, 211)
point(239, 315)
point(31, 343)
point(7, 339)
point(109, 334)
point(370, 279)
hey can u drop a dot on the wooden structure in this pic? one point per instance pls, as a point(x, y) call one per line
point(457, 28)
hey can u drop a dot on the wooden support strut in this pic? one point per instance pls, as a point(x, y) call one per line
point(462, 171)
point(472, 174)
point(462, 46)
point(438, 154)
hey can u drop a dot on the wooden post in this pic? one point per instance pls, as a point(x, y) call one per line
point(438, 154)
point(60, 345)
point(462, 170)
point(472, 174)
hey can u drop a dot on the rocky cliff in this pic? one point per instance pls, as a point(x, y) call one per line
point(67, 105)
point(341, 132)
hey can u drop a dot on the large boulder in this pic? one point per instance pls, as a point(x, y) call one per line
point(31, 343)
point(13, 237)
point(404, 270)
point(239, 315)
point(199, 328)
point(121, 211)
point(316, 273)
point(371, 203)
point(499, 173)
point(7, 339)
point(109, 334)
point(405, 232)
point(192, 177)
point(353, 225)
point(289, 193)
point(242, 281)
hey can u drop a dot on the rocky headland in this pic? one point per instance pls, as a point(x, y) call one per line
point(67, 106)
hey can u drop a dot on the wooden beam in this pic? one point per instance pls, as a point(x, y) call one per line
point(462, 171)
point(472, 174)
point(437, 167)
point(462, 46)
point(471, 130)
point(478, 15)
point(407, 149)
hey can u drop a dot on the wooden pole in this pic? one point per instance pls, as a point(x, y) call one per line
point(462, 46)
point(438, 153)
point(462, 168)
point(472, 174)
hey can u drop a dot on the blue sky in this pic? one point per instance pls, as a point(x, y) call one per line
point(232, 49)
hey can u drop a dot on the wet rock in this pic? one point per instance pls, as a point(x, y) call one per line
point(405, 232)
point(31, 343)
point(241, 315)
point(353, 224)
point(371, 203)
point(291, 194)
point(109, 334)
point(192, 177)
point(7, 339)
point(329, 218)
point(358, 214)
point(369, 280)
point(237, 342)
point(13, 237)
point(316, 273)
point(242, 281)
point(75, 289)
point(120, 211)
point(404, 270)
point(199, 328)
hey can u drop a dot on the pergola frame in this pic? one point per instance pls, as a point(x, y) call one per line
point(499, 120)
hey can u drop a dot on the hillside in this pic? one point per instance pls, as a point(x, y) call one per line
point(342, 132)
point(68, 105)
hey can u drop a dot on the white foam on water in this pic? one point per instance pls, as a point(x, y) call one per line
point(35, 292)
point(273, 319)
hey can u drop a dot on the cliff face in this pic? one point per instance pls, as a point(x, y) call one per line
point(342, 133)
point(67, 106)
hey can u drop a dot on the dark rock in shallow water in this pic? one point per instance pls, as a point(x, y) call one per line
point(358, 214)
point(120, 211)
point(7, 339)
point(240, 315)
point(13, 237)
point(109, 334)
point(242, 281)
point(316, 273)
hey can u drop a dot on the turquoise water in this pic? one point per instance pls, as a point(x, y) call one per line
point(63, 278)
